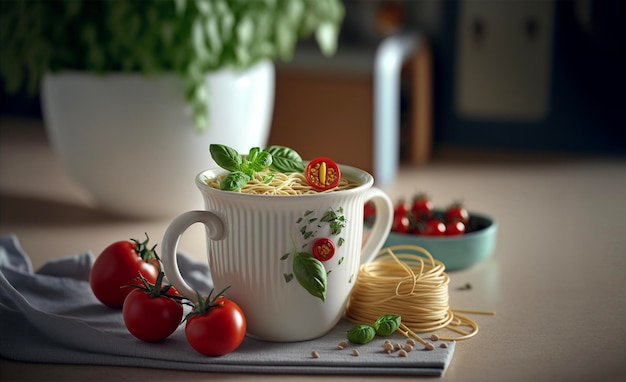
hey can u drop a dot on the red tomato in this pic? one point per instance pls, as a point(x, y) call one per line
point(422, 207)
point(322, 174)
point(434, 227)
point(401, 208)
point(457, 212)
point(455, 227)
point(151, 319)
point(323, 249)
point(120, 264)
point(217, 329)
point(369, 211)
point(401, 224)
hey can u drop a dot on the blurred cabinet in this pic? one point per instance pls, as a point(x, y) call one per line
point(325, 108)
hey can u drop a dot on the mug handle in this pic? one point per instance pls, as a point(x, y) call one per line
point(169, 245)
point(381, 226)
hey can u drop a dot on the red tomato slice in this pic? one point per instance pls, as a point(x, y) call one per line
point(323, 249)
point(322, 174)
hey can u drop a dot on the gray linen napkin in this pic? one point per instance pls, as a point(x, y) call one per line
point(52, 316)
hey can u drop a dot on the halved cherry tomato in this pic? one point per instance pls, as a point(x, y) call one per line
point(323, 249)
point(322, 174)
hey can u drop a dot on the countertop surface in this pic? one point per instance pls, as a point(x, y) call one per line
point(556, 280)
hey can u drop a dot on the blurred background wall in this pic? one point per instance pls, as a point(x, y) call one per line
point(521, 74)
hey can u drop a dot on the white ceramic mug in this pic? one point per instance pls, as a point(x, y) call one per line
point(261, 246)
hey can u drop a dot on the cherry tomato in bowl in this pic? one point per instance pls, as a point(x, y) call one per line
point(422, 207)
point(457, 211)
point(400, 224)
point(434, 227)
point(456, 252)
point(455, 227)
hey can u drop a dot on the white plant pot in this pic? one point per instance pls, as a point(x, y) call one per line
point(129, 140)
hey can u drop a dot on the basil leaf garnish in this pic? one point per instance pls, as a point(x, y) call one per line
point(268, 178)
point(361, 334)
point(310, 273)
point(285, 159)
point(234, 181)
point(262, 160)
point(226, 157)
point(253, 154)
point(387, 324)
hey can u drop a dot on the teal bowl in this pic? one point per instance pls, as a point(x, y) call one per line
point(455, 252)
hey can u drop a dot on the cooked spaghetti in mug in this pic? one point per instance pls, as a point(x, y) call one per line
point(281, 184)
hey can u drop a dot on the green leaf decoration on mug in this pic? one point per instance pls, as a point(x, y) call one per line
point(308, 270)
point(310, 273)
point(336, 219)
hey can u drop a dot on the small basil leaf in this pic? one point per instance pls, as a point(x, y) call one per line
point(361, 334)
point(234, 181)
point(262, 160)
point(247, 169)
point(387, 324)
point(253, 154)
point(285, 159)
point(268, 178)
point(310, 273)
point(226, 157)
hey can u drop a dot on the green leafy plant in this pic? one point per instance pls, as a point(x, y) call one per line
point(188, 37)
